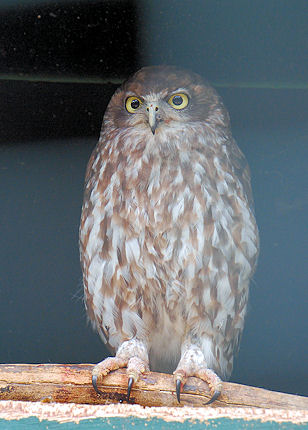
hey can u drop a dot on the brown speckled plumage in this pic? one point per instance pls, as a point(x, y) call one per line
point(168, 238)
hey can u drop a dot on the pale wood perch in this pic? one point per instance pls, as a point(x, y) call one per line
point(71, 383)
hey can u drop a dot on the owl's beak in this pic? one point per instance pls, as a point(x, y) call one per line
point(152, 111)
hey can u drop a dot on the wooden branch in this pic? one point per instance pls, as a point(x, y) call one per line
point(71, 383)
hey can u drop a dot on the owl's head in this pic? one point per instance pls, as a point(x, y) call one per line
point(159, 98)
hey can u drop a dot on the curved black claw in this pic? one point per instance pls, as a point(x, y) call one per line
point(129, 387)
point(178, 390)
point(94, 383)
point(214, 397)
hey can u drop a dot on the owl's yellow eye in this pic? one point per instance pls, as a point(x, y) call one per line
point(132, 104)
point(178, 101)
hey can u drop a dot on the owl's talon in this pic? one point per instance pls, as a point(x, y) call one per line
point(178, 389)
point(214, 397)
point(94, 383)
point(129, 387)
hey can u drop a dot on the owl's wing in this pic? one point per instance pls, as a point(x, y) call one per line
point(242, 170)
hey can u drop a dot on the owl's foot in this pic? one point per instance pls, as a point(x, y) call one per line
point(131, 354)
point(206, 375)
point(104, 367)
point(192, 363)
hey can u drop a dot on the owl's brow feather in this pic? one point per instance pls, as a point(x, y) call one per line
point(147, 97)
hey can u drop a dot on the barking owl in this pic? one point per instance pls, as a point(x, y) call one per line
point(168, 238)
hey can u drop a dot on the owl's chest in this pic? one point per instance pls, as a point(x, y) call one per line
point(169, 193)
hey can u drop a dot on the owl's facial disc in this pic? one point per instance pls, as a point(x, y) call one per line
point(156, 108)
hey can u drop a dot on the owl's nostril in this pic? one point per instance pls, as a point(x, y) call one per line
point(156, 108)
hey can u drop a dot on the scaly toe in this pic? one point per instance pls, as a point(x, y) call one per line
point(104, 367)
point(135, 367)
point(213, 381)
